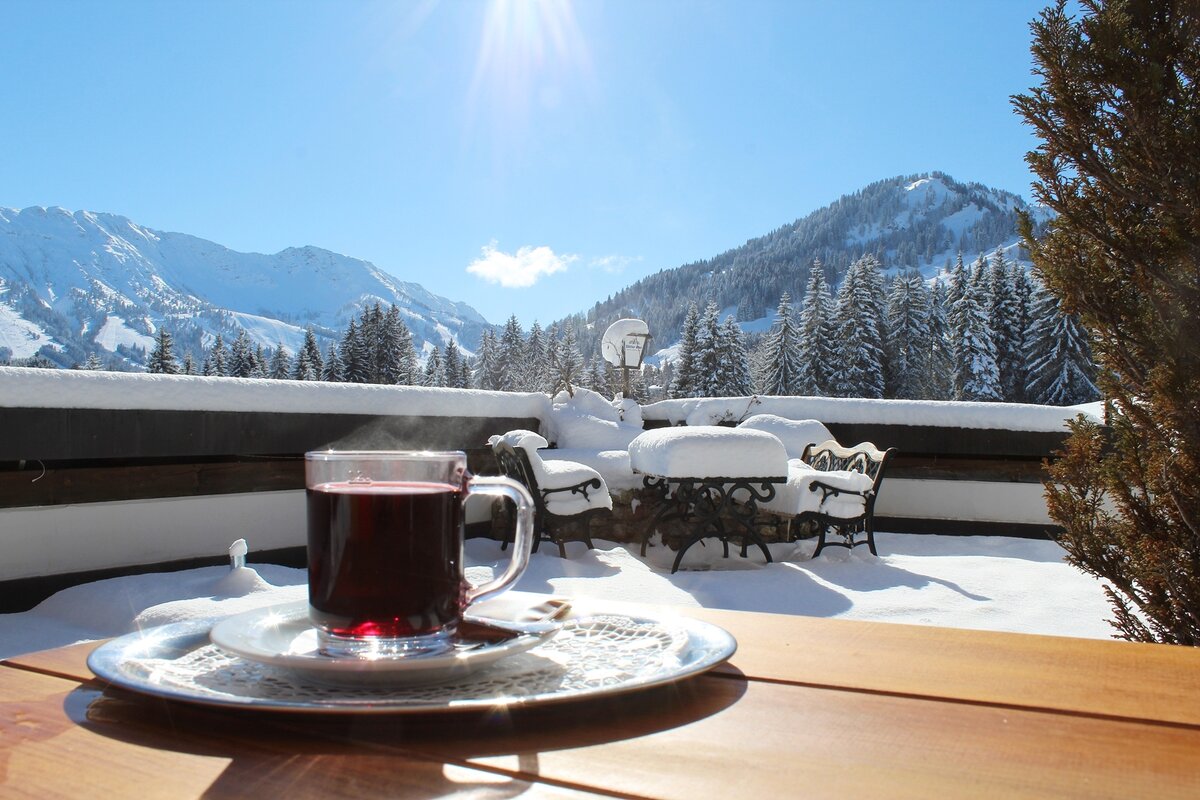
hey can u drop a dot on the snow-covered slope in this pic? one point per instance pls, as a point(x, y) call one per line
point(74, 284)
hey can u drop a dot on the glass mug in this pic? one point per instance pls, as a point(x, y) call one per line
point(385, 549)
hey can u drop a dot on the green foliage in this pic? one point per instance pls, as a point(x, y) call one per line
point(1118, 116)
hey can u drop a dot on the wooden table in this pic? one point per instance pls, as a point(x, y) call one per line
point(806, 708)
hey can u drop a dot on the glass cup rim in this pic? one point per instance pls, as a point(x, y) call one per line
point(384, 455)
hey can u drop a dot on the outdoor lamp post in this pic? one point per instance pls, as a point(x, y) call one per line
point(624, 345)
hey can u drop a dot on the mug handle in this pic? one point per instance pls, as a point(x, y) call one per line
point(523, 538)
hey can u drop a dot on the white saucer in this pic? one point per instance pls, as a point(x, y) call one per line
point(283, 636)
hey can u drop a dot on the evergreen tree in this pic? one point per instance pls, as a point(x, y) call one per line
point(957, 283)
point(940, 366)
point(490, 369)
point(537, 367)
point(683, 383)
point(312, 355)
point(976, 376)
point(908, 346)
point(733, 362)
point(817, 352)
point(435, 373)
point(707, 356)
point(332, 370)
point(512, 356)
point(162, 357)
point(218, 358)
point(452, 365)
point(241, 357)
point(1116, 113)
point(356, 362)
point(567, 361)
point(596, 377)
point(859, 367)
point(1005, 319)
point(281, 363)
point(398, 355)
point(1023, 301)
point(93, 362)
point(371, 331)
point(783, 368)
point(1059, 360)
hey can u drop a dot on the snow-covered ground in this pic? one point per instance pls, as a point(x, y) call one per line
point(991, 583)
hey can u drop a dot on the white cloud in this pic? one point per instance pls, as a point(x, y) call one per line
point(613, 264)
point(524, 268)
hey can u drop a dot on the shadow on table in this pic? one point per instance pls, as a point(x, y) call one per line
point(393, 755)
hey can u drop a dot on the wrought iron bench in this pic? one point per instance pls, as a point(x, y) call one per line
point(846, 501)
point(567, 495)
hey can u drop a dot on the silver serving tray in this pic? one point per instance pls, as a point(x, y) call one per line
point(594, 656)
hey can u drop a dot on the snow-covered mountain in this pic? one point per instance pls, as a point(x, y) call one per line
point(910, 222)
point(82, 283)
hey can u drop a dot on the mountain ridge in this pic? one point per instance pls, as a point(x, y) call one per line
point(73, 284)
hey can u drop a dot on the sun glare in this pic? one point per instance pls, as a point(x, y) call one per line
point(528, 52)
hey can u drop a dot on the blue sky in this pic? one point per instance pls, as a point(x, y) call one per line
point(525, 157)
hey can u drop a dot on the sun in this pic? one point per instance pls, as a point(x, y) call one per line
point(530, 53)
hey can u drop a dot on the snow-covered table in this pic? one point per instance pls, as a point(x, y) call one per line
point(708, 475)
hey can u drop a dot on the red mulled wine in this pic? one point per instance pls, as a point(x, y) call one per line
point(385, 558)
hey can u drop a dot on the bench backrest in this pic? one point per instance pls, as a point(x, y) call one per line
point(514, 463)
point(864, 457)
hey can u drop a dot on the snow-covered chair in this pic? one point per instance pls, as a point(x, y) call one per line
point(566, 494)
point(796, 434)
point(835, 488)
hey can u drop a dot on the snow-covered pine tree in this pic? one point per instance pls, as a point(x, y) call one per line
point(782, 364)
point(1059, 360)
point(262, 367)
point(817, 336)
point(162, 357)
point(567, 361)
point(281, 363)
point(733, 362)
point(489, 368)
point(683, 382)
point(241, 357)
point(596, 378)
point(312, 354)
point(976, 376)
point(858, 371)
point(218, 358)
point(93, 363)
point(956, 283)
point(1023, 298)
point(435, 374)
point(512, 356)
point(707, 356)
point(397, 356)
point(452, 365)
point(907, 347)
point(356, 359)
point(331, 368)
point(940, 358)
point(1004, 315)
point(537, 367)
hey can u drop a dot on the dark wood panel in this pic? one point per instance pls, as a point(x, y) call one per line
point(955, 527)
point(61, 483)
point(958, 468)
point(57, 434)
point(926, 440)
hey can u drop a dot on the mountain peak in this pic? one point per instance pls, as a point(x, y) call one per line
point(74, 284)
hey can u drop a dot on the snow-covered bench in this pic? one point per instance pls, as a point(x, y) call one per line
point(834, 487)
point(563, 491)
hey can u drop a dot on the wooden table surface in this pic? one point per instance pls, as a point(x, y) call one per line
point(807, 707)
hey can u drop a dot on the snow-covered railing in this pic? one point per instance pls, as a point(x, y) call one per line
point(841, 410)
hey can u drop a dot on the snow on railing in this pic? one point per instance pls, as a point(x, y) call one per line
point(55, 388)
point(834, 410)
